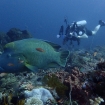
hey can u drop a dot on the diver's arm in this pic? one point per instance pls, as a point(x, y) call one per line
point(58, 36)
point(60, 32)
point(79, 36)
point(83, 36)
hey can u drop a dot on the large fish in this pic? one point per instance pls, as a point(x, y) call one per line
point(33, 54)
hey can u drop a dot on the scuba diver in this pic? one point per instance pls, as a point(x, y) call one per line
point(61, 30)
point(78, 30)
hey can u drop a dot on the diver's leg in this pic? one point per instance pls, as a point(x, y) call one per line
point(78, 41)
point(101, 23)
point(65, 40)
point(61, 30)
point(96, 29)
point(71, 42)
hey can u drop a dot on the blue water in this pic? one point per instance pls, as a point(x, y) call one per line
point(43, 18)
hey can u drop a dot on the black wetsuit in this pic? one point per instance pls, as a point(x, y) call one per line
point(75, 29)
point(61, 30)
point(69, 37)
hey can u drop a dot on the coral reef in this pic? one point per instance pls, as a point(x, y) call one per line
point(4, 39)
point(96, 101)
point(33, 101)
point(74, 80)
point(82, 86)
point(101, 65)
point(41, 93)
point(8, 81)
point(26, 86)
point(17, 34)
point(52, 81)
point(12, 35)
point(81, 82)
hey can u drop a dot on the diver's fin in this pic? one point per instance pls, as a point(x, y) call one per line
point(32, 68)
point(63, 57)
point(55, 46)
point(53, 65)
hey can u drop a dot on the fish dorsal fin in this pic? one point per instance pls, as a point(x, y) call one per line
point(55, 46)
point(32, 68)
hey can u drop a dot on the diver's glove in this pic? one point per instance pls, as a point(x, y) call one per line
point(58, 36)
point(74, 34)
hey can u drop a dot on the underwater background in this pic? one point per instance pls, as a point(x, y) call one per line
point(72, 77)
point(43, 18)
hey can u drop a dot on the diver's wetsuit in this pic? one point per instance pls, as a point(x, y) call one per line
point(61, 30)
point(88, 32)
point(76, 30)
point(69, 37)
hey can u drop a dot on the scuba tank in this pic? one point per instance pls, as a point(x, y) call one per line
point(81, 23)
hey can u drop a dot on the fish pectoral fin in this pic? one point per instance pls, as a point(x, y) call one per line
point(32, 68)
point(53, 65)
point(55, 46)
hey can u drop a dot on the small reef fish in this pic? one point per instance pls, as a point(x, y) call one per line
point(31, 54)
point(10, 64)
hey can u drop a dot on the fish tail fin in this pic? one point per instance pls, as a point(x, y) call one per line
point(63, 57)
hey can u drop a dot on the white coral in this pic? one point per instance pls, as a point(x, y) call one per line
point(41, 93)
point(96, 101)
point(33, 101)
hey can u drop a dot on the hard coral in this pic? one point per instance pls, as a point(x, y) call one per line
point(17, 34)
point(74, 82)
point(26, 86)
point(33, 101)
point(96, 101)
point(101, 65)
point(41, 93)
point(56, 82)
point(8, 81)
point(4, 39)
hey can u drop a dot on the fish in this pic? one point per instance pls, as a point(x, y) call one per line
point(31, 54)
point(10, 64)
